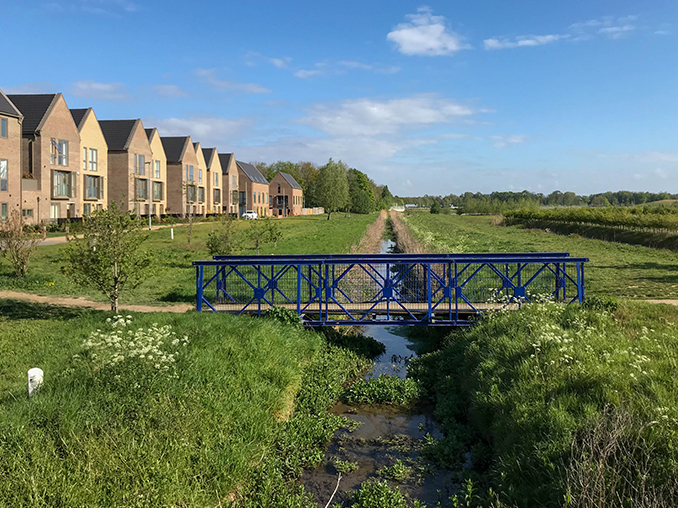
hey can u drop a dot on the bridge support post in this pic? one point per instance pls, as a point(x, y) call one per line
point(198, 287)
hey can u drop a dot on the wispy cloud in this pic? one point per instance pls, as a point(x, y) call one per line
point(610, 26)
point(169, 91)
point(504, 140)
point(343, 66)
point(307, 73)
point(369, 117)
point(35, 87)
point(254, 58)
point(100, 91)
point(208, 76)
point(210, 131)
point(522, 41)
point(426, 34)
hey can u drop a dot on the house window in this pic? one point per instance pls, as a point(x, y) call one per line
point(3, 127)
point(190, 173)
point(3, 175)
point(63, 185)
point(93, 156)
point(59, 152)
point(234, 181)
point(84, 158)
point(217, 196)
point(201, 194)
point(216, 179)
point(157, 191)
point(93, 187)
point(3, 212)
point(142, 189)
point(153, 208)
point(278, 188)
point(142, 165)
point(199, 175)
point(87, 209)
point(191, 193)
point(54, 210)
point(27, 213)
point(157, 169)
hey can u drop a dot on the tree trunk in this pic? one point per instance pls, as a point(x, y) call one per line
point(329, 215)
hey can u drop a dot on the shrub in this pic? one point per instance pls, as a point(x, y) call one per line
point(384, 390)
point(224, 239)
point(16, 243)
point(378, 494)
point(283, 315)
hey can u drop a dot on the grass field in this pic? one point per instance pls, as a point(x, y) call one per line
point(614, 269)
point(174, 281)
point(215, 426)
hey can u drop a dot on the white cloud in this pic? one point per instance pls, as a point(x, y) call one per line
point(209, 77)
point(352, 64)
point(108, 7)
point(210, 131)
point(522, 41)
point(426, 34)
point(280, 63)
point(367, 117)
point(99, 91)
point(307, 73)
point(616, 32)
point(662, 32)
point(504, 140)
point(170, 91)
point(611, 26)
point(660, 173)
point(35, 87)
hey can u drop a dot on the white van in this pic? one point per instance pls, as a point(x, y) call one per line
point(250, 214)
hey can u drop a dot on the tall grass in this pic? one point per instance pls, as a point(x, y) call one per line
point(103, 433)
point(563, 406)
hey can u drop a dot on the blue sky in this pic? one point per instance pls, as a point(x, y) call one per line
point(438, 97)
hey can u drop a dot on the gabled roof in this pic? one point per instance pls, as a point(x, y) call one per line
point(7, 107)
point(225, 159)
point(149, 133)
point(35, 108)
point(175, 147)
point(209, 154)
point(251, 172)
point(119, 133)
point(290, 179)
point(79, 116)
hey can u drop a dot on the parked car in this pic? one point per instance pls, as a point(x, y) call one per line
point(250, 214)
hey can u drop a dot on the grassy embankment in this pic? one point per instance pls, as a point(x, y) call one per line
point(614, 269)
point(562, 406)
point(175, 279)
point(120, 429)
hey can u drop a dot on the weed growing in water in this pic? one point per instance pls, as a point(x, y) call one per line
point(384, 390)
point(378, 494)
point(345, 466)
point(397, 472)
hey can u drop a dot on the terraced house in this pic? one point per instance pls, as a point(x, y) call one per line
point(130, 161)
point(254, 191)
point(10, 157)
point(214, 180)
point(230, 184)
point(94, 166)
point(182, 177)
point(158, 173)
point(50, 158)
point(201, 170)
point(287, 196)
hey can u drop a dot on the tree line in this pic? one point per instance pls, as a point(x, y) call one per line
point(333, 186)
point(499, 202)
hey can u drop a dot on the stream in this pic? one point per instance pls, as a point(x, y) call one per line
point(386, 434)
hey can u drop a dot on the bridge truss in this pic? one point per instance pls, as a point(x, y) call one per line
point(408, 289)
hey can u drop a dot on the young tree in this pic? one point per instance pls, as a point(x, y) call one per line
point(16, 243)
point(223, 240)
point(258, 234)
point(435, 207)
point(332, 187)
point(107, 256)
point(273, 231)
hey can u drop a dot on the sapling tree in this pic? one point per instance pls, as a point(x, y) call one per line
point(258, 234)
point(273, 231)
point(108, 255)
point(17, 243)
point(224, 239)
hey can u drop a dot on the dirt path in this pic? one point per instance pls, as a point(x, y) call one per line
point(370, 243)
point(82, 302)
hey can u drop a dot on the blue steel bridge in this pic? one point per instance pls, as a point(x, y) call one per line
point(388, 289)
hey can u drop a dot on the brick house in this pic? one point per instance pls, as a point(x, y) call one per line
point(94, 162)
point(158, 172)
point(230, 184)
point(10, 157)
point(214, 180)
point(254, 191)
point(201, 177)
point(129, 164)
point(287, 196)
point(50, 158)
point(182, 178)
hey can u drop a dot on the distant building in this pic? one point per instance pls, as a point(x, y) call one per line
point(10, 159)
point(287, 196)
point(230, 184)
point(214, 180)
point(158, 172)
point(254, 190)
point(94, 162)
point(182, 177)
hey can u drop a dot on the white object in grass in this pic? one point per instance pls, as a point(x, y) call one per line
point(34, 380)
point(172, 233)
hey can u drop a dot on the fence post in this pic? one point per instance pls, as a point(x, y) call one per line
point(299, 290)
point(428, 289)
point(198, 287)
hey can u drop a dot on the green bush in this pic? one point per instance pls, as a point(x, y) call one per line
point(384, 390)
point(378, 494)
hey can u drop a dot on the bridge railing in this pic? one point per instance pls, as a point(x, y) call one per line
point(420, 289)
